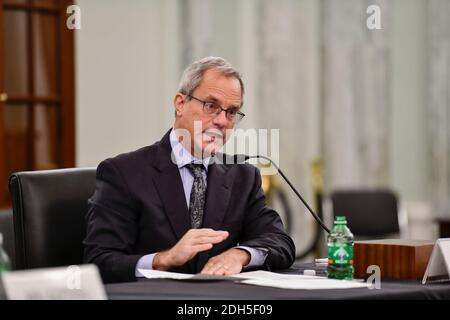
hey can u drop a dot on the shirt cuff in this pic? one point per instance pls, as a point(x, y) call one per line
point(145, 262)
point(257, 256)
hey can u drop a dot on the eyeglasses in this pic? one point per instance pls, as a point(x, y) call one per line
point(214, 109)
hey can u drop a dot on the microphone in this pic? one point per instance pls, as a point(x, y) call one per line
point(241, 158)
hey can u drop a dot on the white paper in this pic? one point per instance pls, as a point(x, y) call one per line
point(62, 283)
point(266, 275)
point(294, 281)
point(156, 274)
point(263, 278)
point(306, 284)
point(439, 263)
point(255, 275)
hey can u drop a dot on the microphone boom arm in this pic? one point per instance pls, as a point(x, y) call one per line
point(316, 217)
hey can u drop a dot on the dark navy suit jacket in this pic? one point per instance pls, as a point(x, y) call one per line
point(139, 207)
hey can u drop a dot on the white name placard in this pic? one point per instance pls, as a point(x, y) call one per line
point(76, 282)
point(439, 263)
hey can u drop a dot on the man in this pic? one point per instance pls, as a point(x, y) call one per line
point(170, 206)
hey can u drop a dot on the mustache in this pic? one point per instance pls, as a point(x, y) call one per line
point(214, 133)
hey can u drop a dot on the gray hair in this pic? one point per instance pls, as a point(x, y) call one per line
point(193, 74)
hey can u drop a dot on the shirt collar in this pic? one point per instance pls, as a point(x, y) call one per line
point(182, 156)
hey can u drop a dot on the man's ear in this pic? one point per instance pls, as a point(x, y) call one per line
point(179, 102)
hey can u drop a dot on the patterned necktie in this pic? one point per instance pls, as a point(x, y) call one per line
point(197, 200)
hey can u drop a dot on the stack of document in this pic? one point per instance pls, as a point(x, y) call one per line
point(263, 278)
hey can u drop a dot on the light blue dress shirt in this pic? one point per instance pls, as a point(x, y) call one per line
point(182, 157)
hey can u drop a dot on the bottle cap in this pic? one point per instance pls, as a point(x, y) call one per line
point(340, 219)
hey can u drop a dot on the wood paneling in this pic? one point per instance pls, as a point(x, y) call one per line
point(37, 122)
point(3, 177)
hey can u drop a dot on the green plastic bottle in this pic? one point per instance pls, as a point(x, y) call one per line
point(340, 250)
point(5, 264)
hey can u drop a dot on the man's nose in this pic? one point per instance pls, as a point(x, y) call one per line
point(221, 119)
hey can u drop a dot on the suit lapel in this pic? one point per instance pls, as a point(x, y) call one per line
point(170, 189)
point(218, 194)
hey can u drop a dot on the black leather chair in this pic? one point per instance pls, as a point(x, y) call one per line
point(49, 210)
point(370, 213)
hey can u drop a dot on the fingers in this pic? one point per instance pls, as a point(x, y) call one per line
point(193, 242)
point(207, 233)
point(202, 247)
point(202, 236)
point(218, 268)
point(218, 265)
point(203, 240)
point(226, 263)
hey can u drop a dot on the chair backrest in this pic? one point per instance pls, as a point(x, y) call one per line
point(370, 213)
point(49, 209)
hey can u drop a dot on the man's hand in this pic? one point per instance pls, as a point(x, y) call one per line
point(193, 242)
point(229, 262)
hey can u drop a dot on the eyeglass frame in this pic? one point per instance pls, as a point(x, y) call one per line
point(241, 114)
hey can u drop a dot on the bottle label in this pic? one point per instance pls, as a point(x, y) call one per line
point(340, 254)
